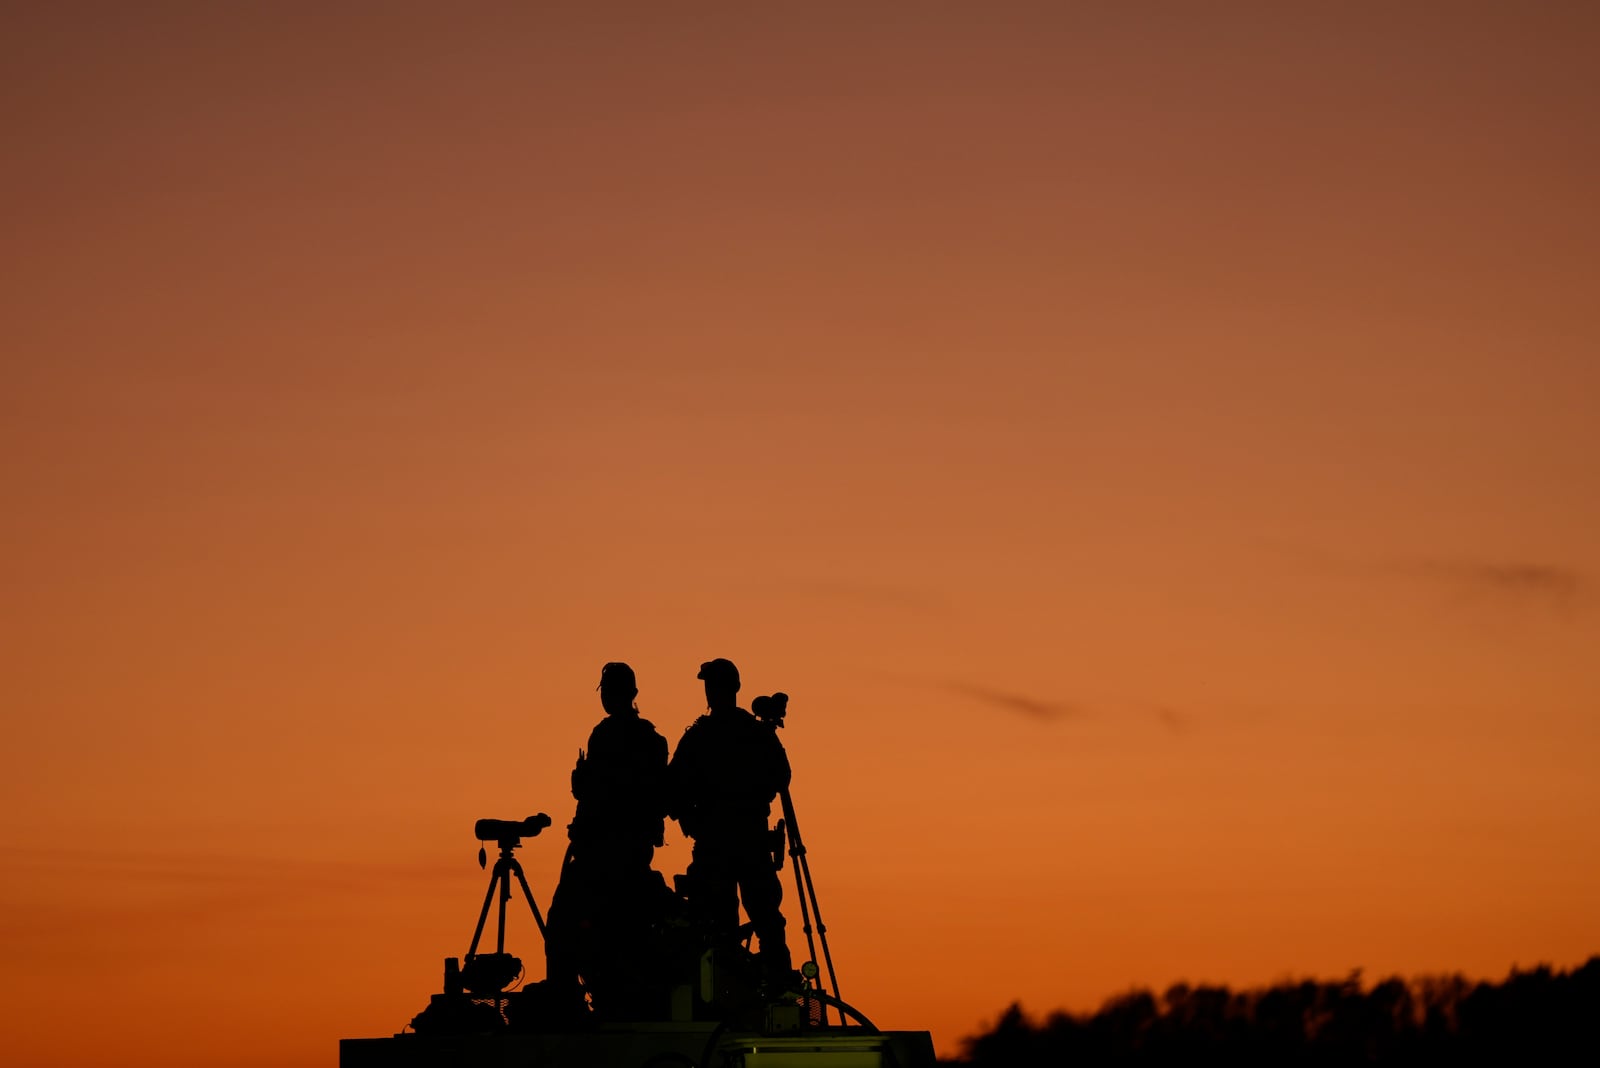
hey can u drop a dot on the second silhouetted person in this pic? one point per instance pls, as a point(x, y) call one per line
point(609, 895)
point(720, 786)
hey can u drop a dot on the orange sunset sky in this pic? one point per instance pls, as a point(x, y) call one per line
point(1157, 446)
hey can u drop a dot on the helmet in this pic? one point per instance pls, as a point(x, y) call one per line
point(619, 675)
point(720, 670)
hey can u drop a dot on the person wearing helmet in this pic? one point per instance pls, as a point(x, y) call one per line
point(720, 785)
point(608, 893)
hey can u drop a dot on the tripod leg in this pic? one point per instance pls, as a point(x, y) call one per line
point(796, 854)
point(505, 895)
point(538, 917)
point(803, 871)
point(822, 928)
point(483, 914)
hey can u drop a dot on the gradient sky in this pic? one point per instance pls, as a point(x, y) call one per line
point(1157, 446)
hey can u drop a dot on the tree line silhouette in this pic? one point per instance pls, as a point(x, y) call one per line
point(1535, 1017)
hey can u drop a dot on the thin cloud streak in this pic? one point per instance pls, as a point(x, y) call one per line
point(1167, 716)
point(1549, 581)
point(1508, 581)
point(1171, 719)
point(1033, 707)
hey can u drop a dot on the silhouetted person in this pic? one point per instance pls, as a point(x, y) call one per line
point(608, 895)
point(720, 785)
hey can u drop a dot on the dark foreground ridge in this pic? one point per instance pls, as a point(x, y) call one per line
point(1537, 1017)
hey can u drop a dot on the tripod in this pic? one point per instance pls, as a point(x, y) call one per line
point(506, 866)
point(805, 888)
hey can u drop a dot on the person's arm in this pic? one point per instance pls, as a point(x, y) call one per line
point(580, 777)
point(654, 774)
point(680, 775)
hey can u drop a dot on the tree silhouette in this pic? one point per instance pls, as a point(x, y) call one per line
point(1535, 1017)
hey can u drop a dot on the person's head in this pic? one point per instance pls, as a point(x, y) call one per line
point(617, 688)
point(722, 683)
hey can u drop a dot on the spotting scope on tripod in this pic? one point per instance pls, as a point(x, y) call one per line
point(490, 973)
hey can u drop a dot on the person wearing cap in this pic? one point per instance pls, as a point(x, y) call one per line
point(721, 782)
point(608, 892)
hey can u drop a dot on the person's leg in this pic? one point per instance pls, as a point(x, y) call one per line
point(713, 887)
point(762, 895)
point(564, 927)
